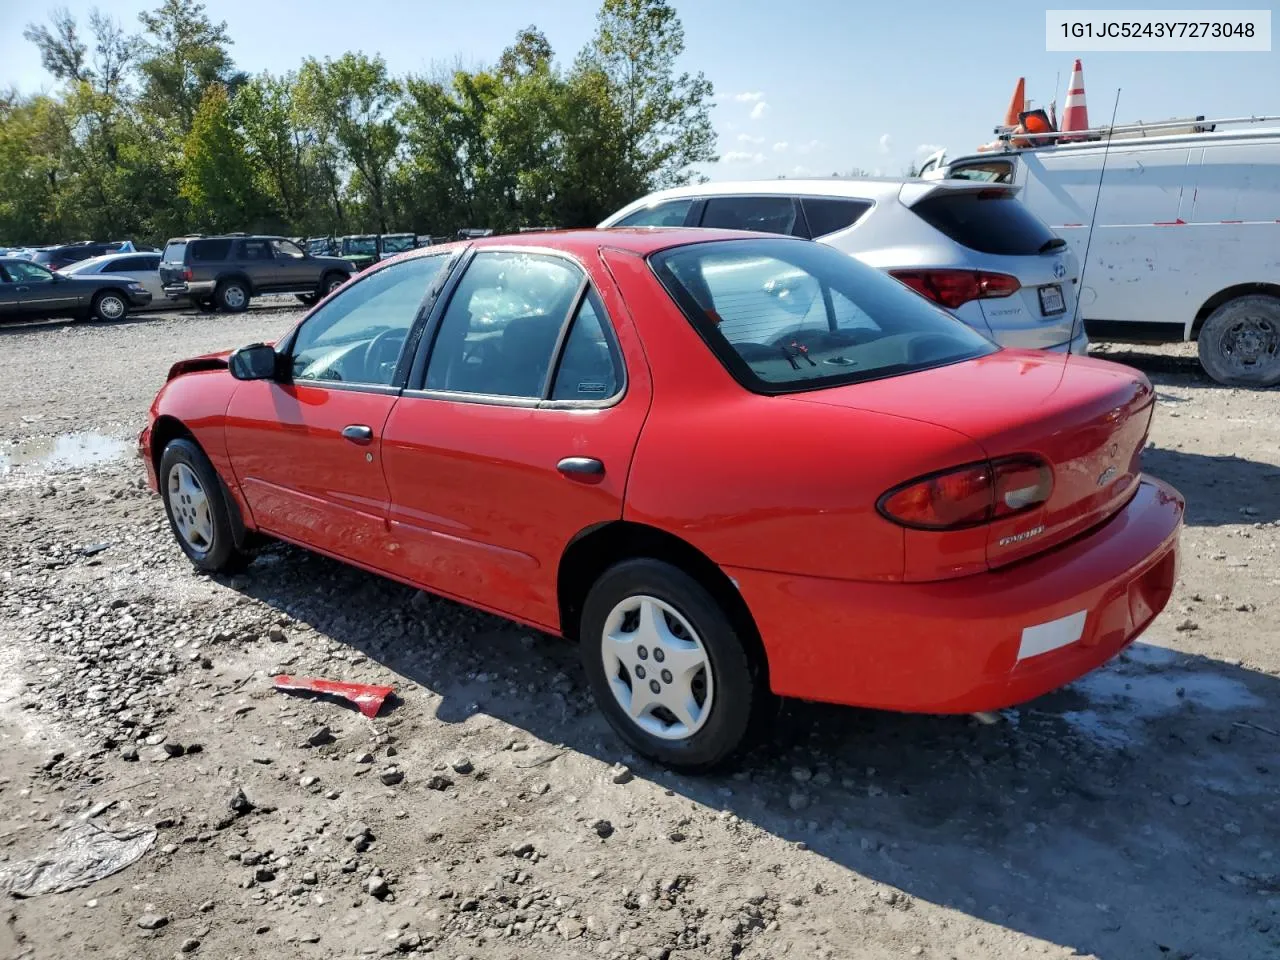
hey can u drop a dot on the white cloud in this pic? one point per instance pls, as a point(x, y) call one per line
point(927, 148)
point(809, 147)
point(759, 110)
point(753, 96)
point(780, 147)
point(748, 138)
point(886, 143)
point(742, 156)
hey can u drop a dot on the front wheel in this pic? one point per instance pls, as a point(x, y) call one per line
point(1239, 343)
point(667, 667)
point(197, 511)
point(109, 305)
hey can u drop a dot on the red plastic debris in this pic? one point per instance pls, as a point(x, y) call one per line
point(367, 698)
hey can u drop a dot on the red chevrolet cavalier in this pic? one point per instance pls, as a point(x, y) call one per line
point(729, 466)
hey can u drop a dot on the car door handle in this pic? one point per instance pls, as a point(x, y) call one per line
point(22, 289)
point(581, 467)
point(358, 433)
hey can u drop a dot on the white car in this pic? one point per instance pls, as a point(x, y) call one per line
point(143, 267)
point(970, 247)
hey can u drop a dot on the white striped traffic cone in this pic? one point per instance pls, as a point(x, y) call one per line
point(1075, 115)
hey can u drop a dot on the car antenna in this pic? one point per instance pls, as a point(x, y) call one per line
point(1093, 221)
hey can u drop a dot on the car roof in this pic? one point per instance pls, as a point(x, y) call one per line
point(638, 240)
point(852, 187)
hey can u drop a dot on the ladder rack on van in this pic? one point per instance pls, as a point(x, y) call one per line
point(1164, 128)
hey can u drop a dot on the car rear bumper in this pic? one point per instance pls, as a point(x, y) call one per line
point(981, 642)
point(185, 291)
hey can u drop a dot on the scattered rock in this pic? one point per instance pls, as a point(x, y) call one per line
point(174, 749)
point(461, 765)
point(129, 754)
point(276, 635)
point(621, 774)
point(190, 945)
point(239, 803)
point(391, 776)
point(376, 887)
point(320, 736)
point(437, 782)
point(1187, 625)
point(152, 921)
point(603, 827)
point(569, 928)
point(1180, 800)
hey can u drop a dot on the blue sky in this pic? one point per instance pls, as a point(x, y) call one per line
point(803, 86)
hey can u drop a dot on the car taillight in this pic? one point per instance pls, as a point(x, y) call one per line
point(187, 274)
point(953, 288)
point(968, 496)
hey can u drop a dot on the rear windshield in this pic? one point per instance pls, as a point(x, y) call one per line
point(988, 221)
point(789, 315)
point(397, 244)
point(174, 251)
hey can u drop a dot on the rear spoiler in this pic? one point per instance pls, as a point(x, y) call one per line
point(913, 191)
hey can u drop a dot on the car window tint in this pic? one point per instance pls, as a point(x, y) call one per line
point(989, 221)
point(762, 214)
point(784, 315)
point(670, 213)
point(589, 367)
point(829, 214)
point(175, 251)
point(358, 335)
point(126, 265)
point(499, 332)
point(286, 248)
point(209, 250)
point(255, 250)
point(149, 263)
point(23, 272)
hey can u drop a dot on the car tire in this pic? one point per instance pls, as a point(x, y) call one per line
point(109, 305)
point(1239, 344)
point(232, 296)
point(197, 508)
point(331, 282)
point(710, 670)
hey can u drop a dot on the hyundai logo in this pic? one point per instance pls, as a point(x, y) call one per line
point(1059, 269)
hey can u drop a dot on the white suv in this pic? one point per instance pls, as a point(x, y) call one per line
point(970, 247)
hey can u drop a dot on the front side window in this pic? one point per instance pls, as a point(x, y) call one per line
point(761, 214)
point(359, 334)
point(784, 315)
point(499, 333)
point(670, 213)
point(23, 271)
point(287, 248)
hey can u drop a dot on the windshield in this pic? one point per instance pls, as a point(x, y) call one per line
point(319, 247)
point(86, 266)
point(397, 244)
point(786, 315)
point(360, 246)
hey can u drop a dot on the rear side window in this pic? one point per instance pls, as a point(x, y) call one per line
point(209, 250)
point(175, 251)
point(784, 316)
point(255, 249)
point(589, 363)
point(668, 214)
point(131, 264)
point(762, 214)
point(829, 214)
point(988, 221)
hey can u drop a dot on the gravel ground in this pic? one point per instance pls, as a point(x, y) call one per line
point(490, 812)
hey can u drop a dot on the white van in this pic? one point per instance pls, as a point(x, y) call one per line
point(1186, 244)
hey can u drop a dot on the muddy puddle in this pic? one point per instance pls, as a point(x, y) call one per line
point(69, 451)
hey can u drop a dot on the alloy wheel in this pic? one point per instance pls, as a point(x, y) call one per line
point(189, 506)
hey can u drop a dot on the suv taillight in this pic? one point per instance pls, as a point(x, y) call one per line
point(187, 274)
point(953, 288)
point(969, 496)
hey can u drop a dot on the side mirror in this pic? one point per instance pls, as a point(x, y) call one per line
point(254, 362)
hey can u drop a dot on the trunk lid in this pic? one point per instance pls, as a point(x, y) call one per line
point(173, 263)
point(1088, 419)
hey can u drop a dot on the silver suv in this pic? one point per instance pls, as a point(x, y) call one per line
point(970, 247)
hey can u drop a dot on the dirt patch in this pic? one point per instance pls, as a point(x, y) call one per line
point(483, 814)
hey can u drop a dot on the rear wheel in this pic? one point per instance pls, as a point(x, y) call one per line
point(667, 667)
point(197, 510)
point(1239, 343)
point(331, 282)
point(232, 296)
point(109, 305)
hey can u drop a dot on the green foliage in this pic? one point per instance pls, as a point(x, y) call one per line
point(156, 133)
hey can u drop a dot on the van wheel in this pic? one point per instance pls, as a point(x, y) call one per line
point(232, 296)
point(1240, 342)
point(666, 666)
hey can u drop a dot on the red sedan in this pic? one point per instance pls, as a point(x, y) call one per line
point(728, 466)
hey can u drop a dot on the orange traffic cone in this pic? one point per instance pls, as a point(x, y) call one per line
point(1075, 115)
point(1017, 104)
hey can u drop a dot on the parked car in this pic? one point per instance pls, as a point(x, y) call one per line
point(322, 246)
point(969, 247)
point(28, 290)
point(729, 466)
point(55, 258)
point(226, 272)
point(1184, 243)
point(370, 248)
point(143, 267)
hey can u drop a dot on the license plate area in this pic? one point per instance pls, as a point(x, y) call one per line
point(1051, 300)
